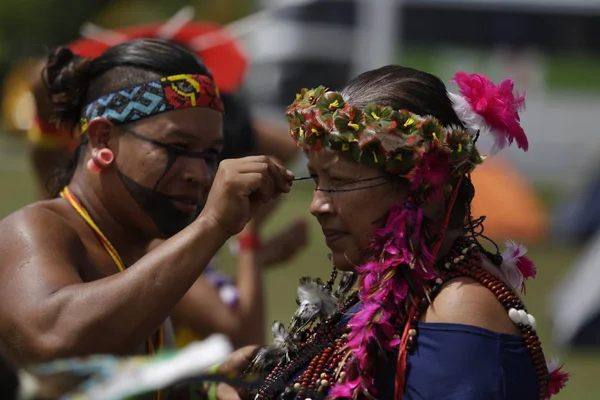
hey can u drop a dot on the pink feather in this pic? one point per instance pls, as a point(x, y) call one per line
point(362, 317)
point(527, 267)
point(344, 390)
point(515, 254)
point(433, 171)
point(497, 105)
point(370, 280)
point(382, 300)
point(558, 378)
point(400, 291)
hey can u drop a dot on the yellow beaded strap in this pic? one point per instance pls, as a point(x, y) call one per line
point(74, 202)
point(110, 249)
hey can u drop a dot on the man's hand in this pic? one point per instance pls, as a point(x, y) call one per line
point(235, 365)
point(241, 187)
point(238, 361)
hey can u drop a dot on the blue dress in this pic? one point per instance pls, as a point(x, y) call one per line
point(459, 362)
point(462, 362)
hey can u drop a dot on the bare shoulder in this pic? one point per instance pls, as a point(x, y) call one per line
point(41, 219)
point(465, 301)
point(35, 232)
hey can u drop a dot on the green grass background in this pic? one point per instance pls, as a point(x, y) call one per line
point(571, 73)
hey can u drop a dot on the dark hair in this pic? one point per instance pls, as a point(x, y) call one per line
point(238, 130)
point(403, 88)
point(73, 82)
point(421, 93)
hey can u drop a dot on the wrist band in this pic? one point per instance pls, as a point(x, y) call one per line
point(249, 242)
point(244, 242)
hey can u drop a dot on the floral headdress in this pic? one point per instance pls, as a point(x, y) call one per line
point(431, 157)
point(405, 144)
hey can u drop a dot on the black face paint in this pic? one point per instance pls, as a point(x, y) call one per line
point(167, 218)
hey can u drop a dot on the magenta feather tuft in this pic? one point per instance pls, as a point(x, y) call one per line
point(497, 105)
point(383, 291)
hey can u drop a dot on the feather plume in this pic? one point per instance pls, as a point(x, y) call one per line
point(558, 378)
point(313, 301)
point(383, 290)
point(516, 266)
point(346, 283)
point(473, 121)
point(493, 107)
point(269, 356)
point(432, 172)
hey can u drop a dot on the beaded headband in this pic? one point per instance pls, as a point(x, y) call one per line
point(151, 98)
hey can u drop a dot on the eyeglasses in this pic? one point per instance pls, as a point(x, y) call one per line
point(344, 186)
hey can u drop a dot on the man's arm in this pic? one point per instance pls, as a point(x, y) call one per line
point(49, 312)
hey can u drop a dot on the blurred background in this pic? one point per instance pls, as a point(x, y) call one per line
point(548, 198)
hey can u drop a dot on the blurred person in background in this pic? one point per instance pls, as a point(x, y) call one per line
point(77, 278)
point(214, 304)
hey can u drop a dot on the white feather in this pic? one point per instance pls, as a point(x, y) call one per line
point(553, 364)
point(472, 121)
point(510, 256)
point(513, 251)
point(312, 294)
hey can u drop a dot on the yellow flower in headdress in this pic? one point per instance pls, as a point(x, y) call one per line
point(349, 123)
point(356, 127)
point(329, 103)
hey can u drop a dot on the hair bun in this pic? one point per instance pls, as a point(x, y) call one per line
point(66, 76)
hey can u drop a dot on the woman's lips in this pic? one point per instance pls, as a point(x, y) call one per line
point(332, 236)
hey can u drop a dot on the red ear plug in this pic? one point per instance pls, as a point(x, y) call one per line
point(105, 157)
point(100, 160)
point(92, 166)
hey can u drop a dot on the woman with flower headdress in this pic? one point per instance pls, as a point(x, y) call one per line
point(435, 315)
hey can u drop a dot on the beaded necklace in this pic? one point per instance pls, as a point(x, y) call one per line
point(324, 356)
point(512, 304)
point(112, 252)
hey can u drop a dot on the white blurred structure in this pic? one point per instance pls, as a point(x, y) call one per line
point(316, 42)
point(575, 304)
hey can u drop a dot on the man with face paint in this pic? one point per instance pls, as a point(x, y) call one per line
point(76, 278)
point(215, 303)
point(168, 214)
